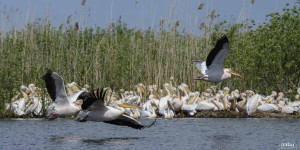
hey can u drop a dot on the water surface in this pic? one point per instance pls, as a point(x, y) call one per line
point(185, 133)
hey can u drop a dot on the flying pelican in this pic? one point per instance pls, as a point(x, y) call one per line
point(56, 89)
point(212, 69)
point(93, 109)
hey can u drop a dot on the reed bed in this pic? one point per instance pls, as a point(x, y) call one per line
point(268, 56)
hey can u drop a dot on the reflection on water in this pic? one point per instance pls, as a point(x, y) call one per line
point(119, 140)
point(188, 133)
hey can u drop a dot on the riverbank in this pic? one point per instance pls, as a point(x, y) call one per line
point(234, 114)
point(202, 114)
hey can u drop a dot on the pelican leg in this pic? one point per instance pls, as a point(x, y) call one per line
point(201, 77)
point(52, 116)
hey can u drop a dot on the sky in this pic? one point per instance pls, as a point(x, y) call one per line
point(141, 14)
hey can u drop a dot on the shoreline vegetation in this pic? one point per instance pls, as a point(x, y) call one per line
point(119, 57)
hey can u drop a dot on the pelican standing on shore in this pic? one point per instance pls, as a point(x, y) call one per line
point(212, 69)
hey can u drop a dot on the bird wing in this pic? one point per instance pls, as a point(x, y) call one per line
point(55, 87)
point(200, 65)
point(94, 100)
point(217, 55)
point(125, 120)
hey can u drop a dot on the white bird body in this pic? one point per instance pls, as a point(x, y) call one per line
point(18, 106)
point(189, 108)
point(164, 101)
point(163, 104)
point(168, 114)
point(253, 103)
point(204, 105)
point(107, 113)
point(219, 105)
point(34, 103)
point(288, 109)
point(177, 103)
point(268, 108)
point(148, 114)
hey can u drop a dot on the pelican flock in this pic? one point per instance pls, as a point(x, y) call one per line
point(172, 100)
point(118, 107)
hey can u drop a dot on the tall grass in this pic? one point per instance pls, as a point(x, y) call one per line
point(120, 57)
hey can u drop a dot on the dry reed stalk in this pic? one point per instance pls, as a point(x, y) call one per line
point(201, 6)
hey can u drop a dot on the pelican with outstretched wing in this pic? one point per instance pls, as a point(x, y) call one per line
point(62, 107)
point(212, 69)
point(94, 109)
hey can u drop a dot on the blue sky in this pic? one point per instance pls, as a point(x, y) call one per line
point(136, 13)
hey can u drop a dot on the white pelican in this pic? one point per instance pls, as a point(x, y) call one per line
point(241, 102)
point(150, 111)
point(177, 101)
point(93, 109)
point(268, 108)
point(164, 101)
point(56, 89)
point(19, 105)
point(190, 108)
point(253, 103)
point(212, 69)
point(34, 104)
point(205, 105)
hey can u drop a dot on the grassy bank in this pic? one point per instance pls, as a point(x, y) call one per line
point(268, 56)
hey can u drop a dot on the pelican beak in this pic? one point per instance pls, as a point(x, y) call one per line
point(129, 106)
point(170, 105)
point(154, 98)
point(141, 89)
point(234, 73)
point(75, 88)
point(225, 93)
point(189, 101)
point(171, 91)
point(153, 105)
point(187, 90)
point(268, 101)
point(29, 102)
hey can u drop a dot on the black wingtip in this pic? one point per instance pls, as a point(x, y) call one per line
point(148, 126)
point(92, 97)
point(223, 39)
point(47, 75)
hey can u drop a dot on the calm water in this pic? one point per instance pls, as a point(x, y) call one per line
point(198, 133)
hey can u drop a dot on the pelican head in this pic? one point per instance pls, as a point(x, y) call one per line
point(86, 86)
point(214, 88)
point(230, 71)
point(226, 90)
point(186, 87)
point(31, 86)
point(23, 88)
point(154, 87)
point(280, 95)
point(273, 93)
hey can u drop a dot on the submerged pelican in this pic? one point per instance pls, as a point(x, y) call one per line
point(212, 69)
point(93, 109)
